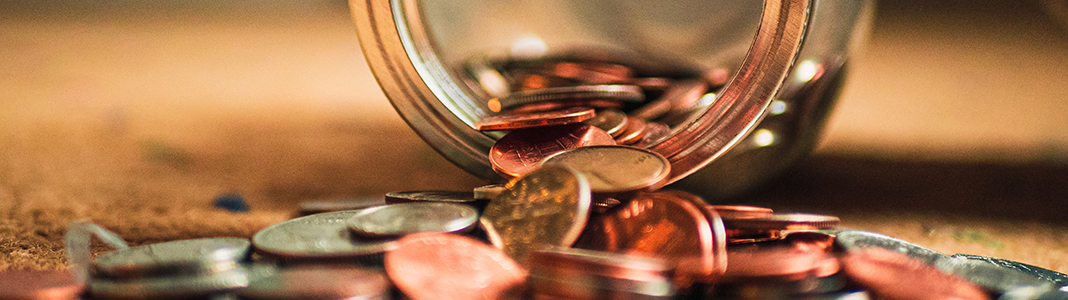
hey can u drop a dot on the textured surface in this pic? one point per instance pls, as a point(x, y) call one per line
point(137, 114)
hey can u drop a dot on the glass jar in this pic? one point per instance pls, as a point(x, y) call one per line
point(788, 58)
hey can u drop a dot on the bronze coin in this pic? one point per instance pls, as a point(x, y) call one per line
point(547, 207)
point(611, 121)
point(568, 273)
point(730, 212)
point(565, 104)
point(633, 133)
point(782, 262)
point(39, 285)
point(615, 169)
point(267, 282)
point(894, 275)
point(520, 151)
point(653, 134)
point(520, 121)
point(442, 266)
point(652, 83)
point(785, 222)
point(663, 225)
point(683, 95)
point(626, 93)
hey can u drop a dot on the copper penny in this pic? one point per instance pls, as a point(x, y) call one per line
point(441, 266)
point(267, 282)
point(520, 121)
point(633, 133)
point(652, 83)
point(615, 169)
point(39, 285)
point(785, 222)
point(547, 207)
point(654, 133)
point(663, 225)
point(730, 212)
point(611, 121)
point(564, 104)
point(568, 273)
point(894, 275)
point(782, 262)
point(520, 151)
point(683, 95)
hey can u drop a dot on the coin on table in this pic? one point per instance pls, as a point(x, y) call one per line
point(338, 204)
point(443, 266)
point(324, 235)
point(627, 93)
point(430, 196)
point(315, 282)
point(891, 274)
point(855, 240)
point(39, 285)
point(730, 212)
point(537, 119)
point(611, 121)
point(1057, 278)
point(662, 225)
point(995, 277)
point(170, 287)
point(182, 256)
point(546, 207)
point(778, 272)
point(406, 218)
point(489, 191)
point(520, 151)
point(615, 169)
point(568, 273)
point(776, 226)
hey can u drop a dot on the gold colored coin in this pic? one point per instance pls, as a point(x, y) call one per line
point(546, 207)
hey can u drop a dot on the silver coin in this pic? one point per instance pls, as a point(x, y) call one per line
point(407, 218)
point(859, 239)
point(324, 235)
point(183, 256)
point(1059, 279)
point(488, 192)
point(170, 287)
point(430, 196)
point(268, 282)
point(626, 93)
point(330, 205)
point(994, 277)
point(615, 169)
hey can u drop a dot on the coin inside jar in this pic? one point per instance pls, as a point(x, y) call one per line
point(611, 121)
point(520, 151)
point(629, 93)
point(324, 235)
point(547, 207)
point(537, 119)
point(433, 266)
point(407, 218)
point(615, 169)
point(187, 256)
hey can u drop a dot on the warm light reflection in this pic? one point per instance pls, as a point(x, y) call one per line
point(529, 47)
point(763, 137)
point(706, 99)
point(777, 107)
point(807, 70)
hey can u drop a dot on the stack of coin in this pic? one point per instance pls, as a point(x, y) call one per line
point(176, 269)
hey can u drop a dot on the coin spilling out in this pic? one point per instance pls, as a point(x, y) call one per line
point(855, 240)
point(175, 257)
point(661, 225)
point(39, 284)
point(396, 220)
point(170, 287)
point(893, 275)
point(611, 121)
point(437, 266)
point(268, 282)
point(520, 151)
point(996, 278)
point(568, 273)
point(615, 169)
point(776, 226)
point(546, 207)
point(311, 207)
point(779, 272)
point(324, 235)
point(487, 192)
point(1057, 278)
point(732, 212)
point(532, 120)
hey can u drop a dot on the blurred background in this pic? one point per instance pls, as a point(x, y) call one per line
point(154, 108)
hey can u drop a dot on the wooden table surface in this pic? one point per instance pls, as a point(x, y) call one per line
point(135, 116)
